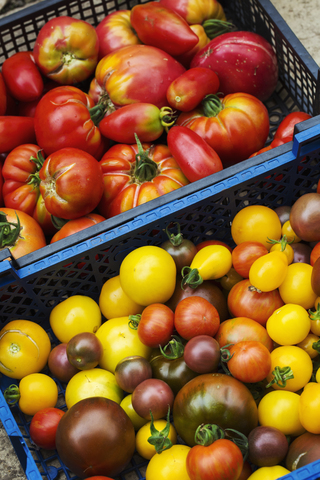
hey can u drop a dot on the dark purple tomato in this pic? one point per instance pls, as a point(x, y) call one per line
point(182, 253)
point(315, 277)
point(303, 450)
point(84, 350)
point(202, 354)
point(208, 290)
point(305, 217)
point(152, 395)
point(268, 446)
point(95, 437)
point(131, 371)
point(301, 252)
point(283, 213)
point(59, 365)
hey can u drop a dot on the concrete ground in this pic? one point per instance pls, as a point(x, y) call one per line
point(304, 20)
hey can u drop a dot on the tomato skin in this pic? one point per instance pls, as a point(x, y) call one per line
point(136, 61)
point(59, 365)
point(193, 154)
point(269, 473)
point(3, 96)
point(244, 254)
point(297, 285)
point(152, 395)
point(303, 450)
point(124, 188)
point(15, 131)
point(115, 31)
point(309, 407)
point(250, 361)
point(238, 329)
point(71, 183)
point(269, 271)
point(156, 325)
point(289, 324)
point(143, 447)
point(185, 58)
point(193, 12)
point(169, 464)
point(196, 316)
point(77, 225)
point(137, 421)
point(132, 370)
point(315, 253)
point(161, 27)
point(212, 262)
point(67, 122)
point(221, 460)
point(37, 391)
point(186, 92)
point(114, 303)
point(286, 126)
point(66, 50)
point(43, 427)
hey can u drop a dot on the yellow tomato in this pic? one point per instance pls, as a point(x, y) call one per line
point(95, 382)
point(297, 360)
point(119, 341)
point(256, 223)
point(113, 302)
point(74, 315)
point(296, 287)
point(212, 262)
point(148, 275)
point(280, 409)
point(307, 344)
point(35, 392)
point(136, 420)
point(143, 447)
point(309, 408)
point(169, 465)
point(287, 249)
point(24, 348)
point(269, 271)
point(290, 234)
point(269, 473)
point(289, 324)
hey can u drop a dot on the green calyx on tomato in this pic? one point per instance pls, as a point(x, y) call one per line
point(176, 240)
point(145, 169)
point(215, 27)
point(34, 178)
point(167, 117)
point(159, 439)
point(103, 107)
point(12, 394)
point(9, 231)
point(212, 105)
point(315, 315)
point(176, 348)
point(190, 277)
point(280, 376)
point(283, 242)
point(205, 435)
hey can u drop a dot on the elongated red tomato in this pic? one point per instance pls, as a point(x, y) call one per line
point(193, 154)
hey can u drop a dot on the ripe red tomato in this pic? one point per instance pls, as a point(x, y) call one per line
point(286, 126)
point(315, 253)
point(240, 329)
point(244, 254)
point(15, 131)
point(43, 427)
point(3, 96)
point(76, 225)
point(71, 183)
point(155, 325)
point(194, 316)
point(250, 361)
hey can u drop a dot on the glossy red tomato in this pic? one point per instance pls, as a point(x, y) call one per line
point(15, 131)
point(43, 427)
point(315, 253)
point(240, 329)
point(133, 175)
point(153, 395)
point(186, 58)
point(64, 118)
point(194, 316)
point(286, 126)
point(71, 183)
point(77, 225)
point(250, 361)
point(155, 325)
point(244, 254)
point(193, 12)
point(3, 96)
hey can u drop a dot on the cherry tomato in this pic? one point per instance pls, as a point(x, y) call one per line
point(137, 421)
point(181, 249)
point(283, 246)
point(146, 449)
point(309, 407)
point(202, 354)
point(307, 344)
point(131, 371)
point(289, 324)
point(77, 225)
point(244, 254)
point(249, 361)
point(59, 365)
point(43, 427)
point(113, 302)
point(84, 350)
point(238, 329)
point(296, 287)
point(269, 271)
point(152, 396)
point(269, 473)
point(155, 325)
point(290, 234)
point(169, 465)
point(194, 316)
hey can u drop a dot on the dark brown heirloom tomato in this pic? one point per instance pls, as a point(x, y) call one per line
point(305, 217)
point(303, 450)
point(214, 399)
point(268, 446)
point(95, 437)
point(59, 365)
point(315, 277)
point(131, 371)
point(84, 350)
point(155, 395)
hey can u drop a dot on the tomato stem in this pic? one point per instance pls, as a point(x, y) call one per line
point(34, 178)
point(159, 439)
point(167, 117)
point(145, 169)
point(283, 242)
point(241, 442)
point(176, 347)
point(212, 105)
point(190, 277)
point(134, 321)
point(9, 231)
point(315, 314)
point(176, 240)
point(215, 27)
point(280, 376)
point(103, 107)
point(207, 434)
point(12, 394)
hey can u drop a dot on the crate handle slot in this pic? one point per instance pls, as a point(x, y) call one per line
point(301, 141)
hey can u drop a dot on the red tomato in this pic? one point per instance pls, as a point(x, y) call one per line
point(315, 253)
point(15, 131)
point(193, 154)
point(161, 27)
point(3, 96)
point(286, 127)
point(244, 254)
point(240, 329)
point(196, 316)
point(186, 92)
point(205, 243)
point(43, 427)
point(123, 73)
point(76, 225)
point(193, 12)
point(185, 58)
point(66, 50)
point(63, 119)
point(115, 31)
point(22, 77)
point(222, 460)
point(250, 361)
point(235, 126)
point(133, 175)
point(71, 183)
point(25, 235)
point(155, 325)
point(275, 143)
point(246, 302)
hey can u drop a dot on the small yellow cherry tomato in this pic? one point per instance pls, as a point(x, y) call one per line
point(113, 302)
point(296, 287)
point(280, 409)
point(269, 271)
point(309, 407)
point(307, 344)
point(294, 358)
point(285, 247)
point(137, 421)
point(35, 392)
point(257, 223)
point(290, 234)
point(269, 473)
point(289, 324)
point(143, 447)
point(74, 315)
point(169, 465)
point(148, 275)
